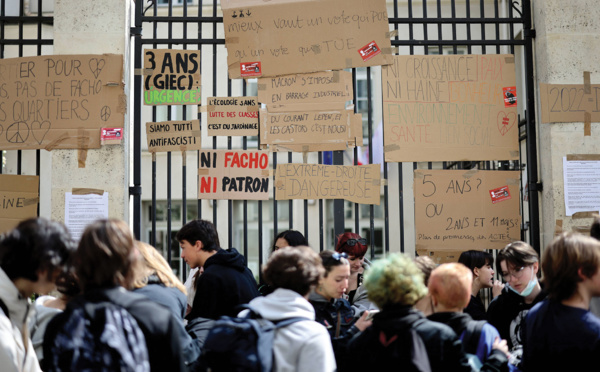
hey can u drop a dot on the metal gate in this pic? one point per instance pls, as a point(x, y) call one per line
point(427, 27)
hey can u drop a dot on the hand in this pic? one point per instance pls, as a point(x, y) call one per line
point(501, 345)
point(362, 323)
point(497, 288)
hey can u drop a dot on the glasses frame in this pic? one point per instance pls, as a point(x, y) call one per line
point(352, 242)
point(517, 274)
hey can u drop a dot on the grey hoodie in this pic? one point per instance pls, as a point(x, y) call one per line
point(301, 346)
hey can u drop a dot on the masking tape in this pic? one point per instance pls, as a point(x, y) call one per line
point(391, 34)
point(587, 87)
point(509, 60)
point(203, 171)
point(583, 157)
point(389, 148)
point(578, 215)
point(232, 40)
point(336, 76)
point(261, 86)
point(86, 191)
point(514, 153)
point(30, 201)
point(143, 71)
point(587, 124)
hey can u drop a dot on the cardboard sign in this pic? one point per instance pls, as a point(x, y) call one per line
point(568, 103)
point(283, 37)
point(61, 101)
point(234, 175)
point(172, 77)
point(173, 136)
point(19, 197)
point(232, 116)
point(454, 212)
point(303, 128)
point(449, 108)
point(358, 184)
point(319, 87)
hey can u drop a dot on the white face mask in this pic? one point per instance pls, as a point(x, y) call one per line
point(527, 291)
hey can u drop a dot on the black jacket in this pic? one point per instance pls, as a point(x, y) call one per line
point(164, 334)
point(225, 283)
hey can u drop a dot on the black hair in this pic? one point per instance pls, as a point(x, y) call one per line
point(476, 259)
point(201, 230)
point(36, 244)
point(595, 229)
point(293, 237)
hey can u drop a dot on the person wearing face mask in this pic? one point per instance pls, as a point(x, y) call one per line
point(480, 263)
point(332, 310)
point(356, 248)
point(518, 264)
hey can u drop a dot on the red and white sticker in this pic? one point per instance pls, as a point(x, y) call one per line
point(369, 51)
point(510, 96)
point(500, 194)
point(111, 134)
point(250, 69)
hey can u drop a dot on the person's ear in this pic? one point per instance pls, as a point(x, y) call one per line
point(475, 272)
point(198, 245)
point(535, 267)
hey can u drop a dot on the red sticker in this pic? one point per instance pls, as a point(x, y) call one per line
point(111, 134)
point(250, 69)
point(510, 96)
point(369, 51)
point(500, 194)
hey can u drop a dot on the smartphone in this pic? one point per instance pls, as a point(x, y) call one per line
point(371, 314)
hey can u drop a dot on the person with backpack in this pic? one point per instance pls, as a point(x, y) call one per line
point(561, 334)
point(226, 281)
point(109, 328)
point(450, 290)
point(401, 335)
point(32, 256)
point(278, 330)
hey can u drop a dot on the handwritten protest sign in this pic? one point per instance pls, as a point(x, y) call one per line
point(327, 87)
point(567, 103)
point(281, 37)
point(19, 196)
point(457, 210)
point(234, 174)
point(304, 128)
point(232, 116)
point(61, 101)
point(173, 136)
point(172, 77)
point(358, 184)
point(450, 108)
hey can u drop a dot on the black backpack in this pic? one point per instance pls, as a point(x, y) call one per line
point(97, 336)
point(241, 344)
point(470, 341)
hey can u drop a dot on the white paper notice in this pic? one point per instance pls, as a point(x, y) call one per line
point(81, 210)
point(582, 186)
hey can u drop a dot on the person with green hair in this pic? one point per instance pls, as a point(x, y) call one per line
point(400, 334)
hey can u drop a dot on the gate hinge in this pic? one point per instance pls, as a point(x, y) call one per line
point(536, 186)
point(529, 33)
point(135, 31)
point(135, 190)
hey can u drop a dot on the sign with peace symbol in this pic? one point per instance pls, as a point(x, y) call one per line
point(105, 113)
point(17, 132)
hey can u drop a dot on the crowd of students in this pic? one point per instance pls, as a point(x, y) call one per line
point(120, 296)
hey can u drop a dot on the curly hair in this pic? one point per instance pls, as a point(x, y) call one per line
point(298, 269)
point(358, 250)
point(394, 280)
point(563, 260)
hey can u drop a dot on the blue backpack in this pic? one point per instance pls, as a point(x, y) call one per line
point(97, 337)
point(241, 344)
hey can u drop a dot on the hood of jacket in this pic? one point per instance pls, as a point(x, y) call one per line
point(227, 257)
point(397, 317)
point(457, 321)
point(19, 307)
point(283, 304)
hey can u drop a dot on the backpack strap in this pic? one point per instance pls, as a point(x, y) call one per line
point(4, 308)
point(472, 335)
point(286, 322)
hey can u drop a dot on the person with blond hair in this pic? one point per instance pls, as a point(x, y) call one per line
point(450, 291)
point(561, 333)
point(154, 279)
point(395, 284)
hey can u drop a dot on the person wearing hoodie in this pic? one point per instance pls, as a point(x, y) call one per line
point(450, 291)
point(226, 281)
point(303, 345)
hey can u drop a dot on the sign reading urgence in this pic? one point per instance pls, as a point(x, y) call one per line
point(172, 77)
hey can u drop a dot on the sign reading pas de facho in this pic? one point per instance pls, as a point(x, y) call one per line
point(171, 77)
point(234, 174)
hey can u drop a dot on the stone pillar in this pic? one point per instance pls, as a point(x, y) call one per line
point(94, 27)
point(566, 45)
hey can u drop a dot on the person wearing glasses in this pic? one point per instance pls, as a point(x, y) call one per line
point(356, 248)
point(332, 310)
point(560, 333)
point(518, 264)
point(480, 263)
